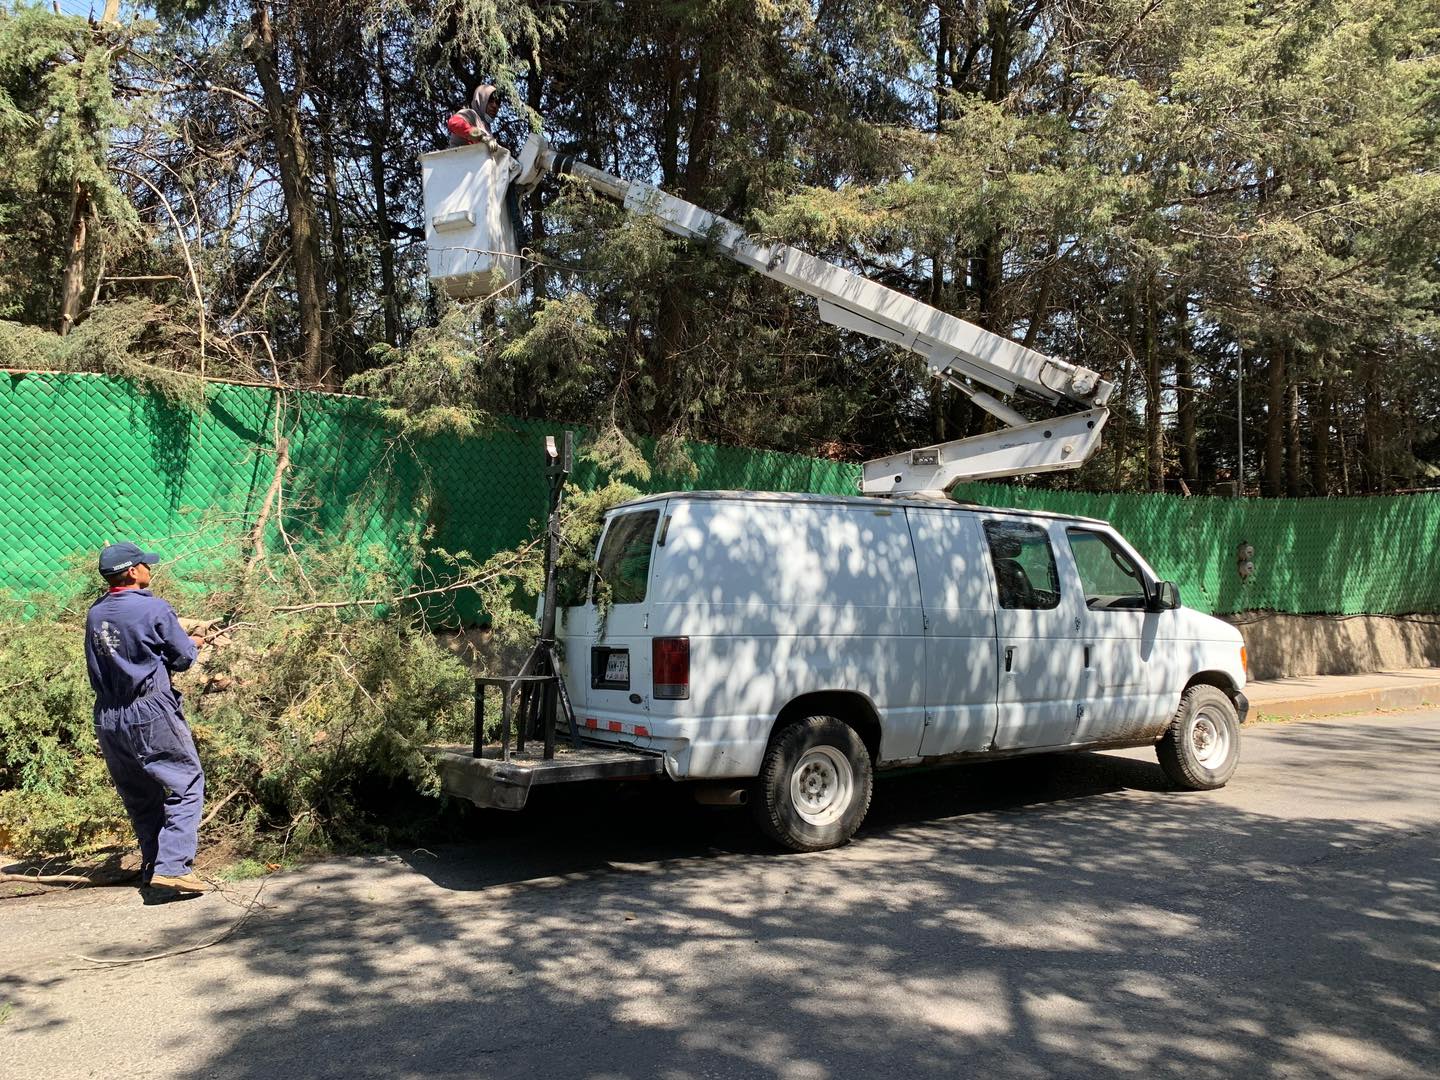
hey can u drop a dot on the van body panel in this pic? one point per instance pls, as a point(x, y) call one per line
point(609, 712)
point(1134, 664)
point(958, 595)
point(781, 600)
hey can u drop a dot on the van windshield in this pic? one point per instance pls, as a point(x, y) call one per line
point(624, 562)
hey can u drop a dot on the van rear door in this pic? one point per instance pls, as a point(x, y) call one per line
point(613, 662)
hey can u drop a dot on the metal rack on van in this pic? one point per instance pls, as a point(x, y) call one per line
point(534, 702)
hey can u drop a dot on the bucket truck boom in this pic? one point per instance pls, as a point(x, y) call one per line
point(968, 357)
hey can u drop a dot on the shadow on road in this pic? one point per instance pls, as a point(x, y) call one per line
point(584, 828)
point(1041, 917)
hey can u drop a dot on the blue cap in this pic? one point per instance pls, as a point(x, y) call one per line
point(117, 558)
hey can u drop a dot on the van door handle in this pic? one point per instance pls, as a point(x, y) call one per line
point(1009, 656)
point(1087, 655)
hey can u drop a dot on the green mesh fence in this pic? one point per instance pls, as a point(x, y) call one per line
point(1376, 555)
point(87, 459)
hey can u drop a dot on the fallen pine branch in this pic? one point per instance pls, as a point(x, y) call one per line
point(219, 806)
point(73, 880)
point(454, 586)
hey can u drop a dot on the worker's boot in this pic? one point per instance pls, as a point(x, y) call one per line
point(183, 885)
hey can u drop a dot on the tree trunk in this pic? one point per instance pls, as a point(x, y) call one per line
point(1345, 470)
point(699, 147)
point(534, 97)
point(1293, 463)
point(670, 122)
point(672, 325)
point(1185, 393)
point(72, 285)
point(987, 267)
point(295, 184)
point(997, 87)
point(389, 302)
point(943, 35)
point(1320, 439)
point(1121, 401)
point(1273, 478)
point(342, 329)
point(1154, 433)
point(1373, 448)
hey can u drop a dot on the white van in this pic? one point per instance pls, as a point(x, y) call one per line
point(787, 646)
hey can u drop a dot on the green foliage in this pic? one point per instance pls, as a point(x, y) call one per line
point(309, 710)
point(436, 381)
point(310, 707)
point(1166, 193)
point(489, 38)
point(618, 456)
point(584, 517)
point(319, 709)
point(58, 112)
point(558, 348)
point(54, 791)
point(121, 339)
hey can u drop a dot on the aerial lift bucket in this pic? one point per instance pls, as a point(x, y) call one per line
point(469, 241)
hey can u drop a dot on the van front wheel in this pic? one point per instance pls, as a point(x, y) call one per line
point(1202, 746)
point(814, 785)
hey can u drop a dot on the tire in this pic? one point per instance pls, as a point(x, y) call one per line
point(1201, 748)
point(814, 785)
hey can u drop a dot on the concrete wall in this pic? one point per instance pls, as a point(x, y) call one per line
point(1280, 645)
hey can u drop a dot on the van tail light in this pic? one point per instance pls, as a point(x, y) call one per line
point(670, 667)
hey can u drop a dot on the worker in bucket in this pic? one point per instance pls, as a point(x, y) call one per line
point(133, 643)
point(471, 125)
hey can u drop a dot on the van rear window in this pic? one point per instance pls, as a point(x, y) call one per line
point(624, 562)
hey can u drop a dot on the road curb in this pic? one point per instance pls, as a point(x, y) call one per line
point(1393, 697)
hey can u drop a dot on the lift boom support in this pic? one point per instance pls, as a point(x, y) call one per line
point(964, 355)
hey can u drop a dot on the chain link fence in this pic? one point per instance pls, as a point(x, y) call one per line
point(88, 459)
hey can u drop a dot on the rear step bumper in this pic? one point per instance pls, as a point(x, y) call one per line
point(490, 781)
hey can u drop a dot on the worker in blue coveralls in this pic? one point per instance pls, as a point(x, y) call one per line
point(133, 642)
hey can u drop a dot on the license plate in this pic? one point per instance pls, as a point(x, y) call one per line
point(617, 667)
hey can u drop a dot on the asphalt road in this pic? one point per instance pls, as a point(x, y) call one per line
point(1062, 916)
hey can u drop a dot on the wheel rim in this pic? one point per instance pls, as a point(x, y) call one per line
point(1210, 737)
point(822, 785)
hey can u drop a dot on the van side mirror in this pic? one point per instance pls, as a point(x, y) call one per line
point(1164, 596)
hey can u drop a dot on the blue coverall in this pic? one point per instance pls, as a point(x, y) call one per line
point(133, 641)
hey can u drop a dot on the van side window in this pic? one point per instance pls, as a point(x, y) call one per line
point(624, 562)
point(1024, 565)
point(1109, 577)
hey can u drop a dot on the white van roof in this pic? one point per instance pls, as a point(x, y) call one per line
point(807, 499)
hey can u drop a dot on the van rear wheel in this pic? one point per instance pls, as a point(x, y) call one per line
point(1201, 748)
point(814, 785)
